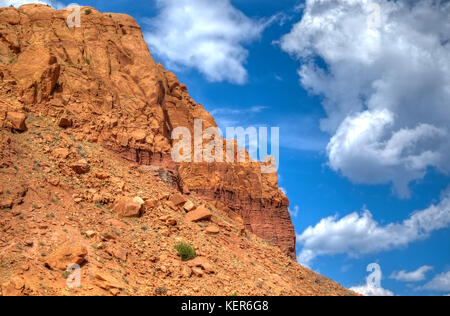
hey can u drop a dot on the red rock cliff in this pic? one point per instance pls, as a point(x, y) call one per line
point(101, 80)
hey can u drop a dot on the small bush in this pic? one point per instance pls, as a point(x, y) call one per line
point(87, 11)
point(185, 251)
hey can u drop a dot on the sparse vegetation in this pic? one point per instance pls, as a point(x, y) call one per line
point(185, 251)
point(87, 11)
point(13, 60)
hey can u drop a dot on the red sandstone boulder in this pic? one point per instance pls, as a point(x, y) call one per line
point(129, 207)
point(81, 166)
point(199, 214)
point(189, 206)
point(16, 121)
point(178, 199)
point(65, 255)
point(65, 122)
point(212, 230)
point(202, 262)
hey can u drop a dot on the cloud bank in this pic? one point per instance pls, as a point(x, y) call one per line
point(207, 35)
point(369, 290)
point(414, 276)
point(383, 76)
point(441, 283)
point(358, 234)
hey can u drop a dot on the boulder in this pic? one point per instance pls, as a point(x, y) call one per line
point(107, 281)
point(16, 121)
point(118, 252)
point(90, 234)
point(178, 199)
point(201, 262)
point(199, 214)
point(139, 135)
point(65, 122)
point(81, 167)
point(67, 254)
point(150, 204)
point(102, 175)
point(6, 203)
point(212, 230)
point(189, 206)
point(61, 153)
point(128, 207)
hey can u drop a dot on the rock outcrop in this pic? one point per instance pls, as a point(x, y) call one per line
point(100, 82)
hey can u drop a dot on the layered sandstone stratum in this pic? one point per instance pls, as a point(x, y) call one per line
point(86, 174)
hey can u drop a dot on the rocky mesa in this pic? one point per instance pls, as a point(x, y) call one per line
point(87, 174)
point(100, 80)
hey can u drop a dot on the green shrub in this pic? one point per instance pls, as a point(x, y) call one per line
point(185, 251)
point(87, 11)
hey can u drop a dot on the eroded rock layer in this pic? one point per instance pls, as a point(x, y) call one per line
point(101, 81)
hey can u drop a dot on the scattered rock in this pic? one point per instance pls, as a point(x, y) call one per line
point(81, 166)
point(139, 135)
point(65, 255)
point(160, 291)
point(129, 207)
point(212, 230)
point(6, 203)
point(170, 221)
point(189, 206)
point(171, 205)
point(61, 153)
point(139, 200)
point(150, 204)
point(199, 214)
point(114, 292)
point(198, 271)
point(203, 263)
point(101, 175)
point(90, 234)
point(16, 121)
point(65, 122)
point(54, 181)
point(107, 281)
point(186, 272)
point(178, 199)
point(118, 252)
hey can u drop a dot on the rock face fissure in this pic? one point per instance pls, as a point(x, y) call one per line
point(101, 81)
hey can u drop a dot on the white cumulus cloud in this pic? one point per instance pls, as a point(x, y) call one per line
point(207, 35)
point(384, 82)
point(359, 233)
point(441, 283)
point(413, 276)
point(370, 290)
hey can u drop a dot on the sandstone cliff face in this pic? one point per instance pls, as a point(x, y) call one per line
point(101, 80)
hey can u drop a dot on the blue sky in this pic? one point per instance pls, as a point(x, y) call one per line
point(322, 85)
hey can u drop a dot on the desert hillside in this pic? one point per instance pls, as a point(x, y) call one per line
point(86, 175)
